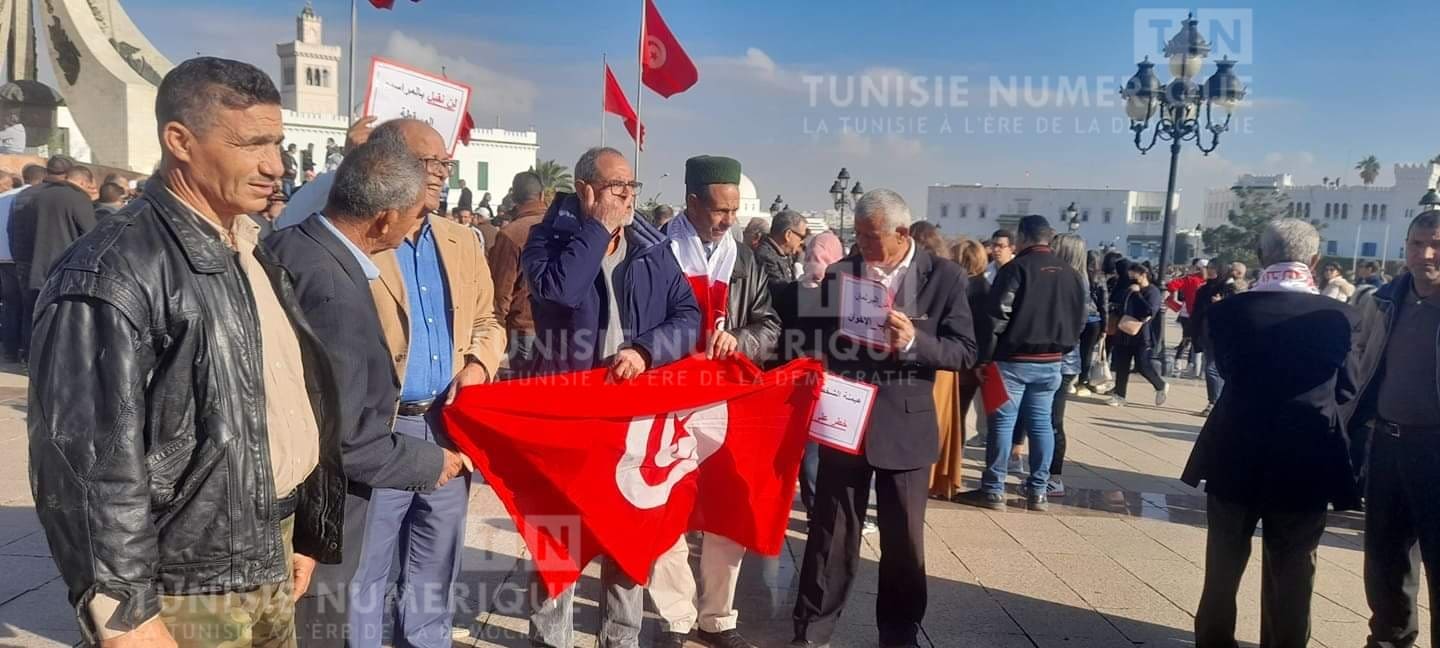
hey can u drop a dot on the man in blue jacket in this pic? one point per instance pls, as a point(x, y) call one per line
point(605, 292)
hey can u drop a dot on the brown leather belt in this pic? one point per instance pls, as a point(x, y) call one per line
point(417, 408)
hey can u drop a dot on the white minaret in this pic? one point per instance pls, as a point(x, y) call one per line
point(309, 69)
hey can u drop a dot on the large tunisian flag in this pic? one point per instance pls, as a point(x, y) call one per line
point(587, 468)
point(668, 70)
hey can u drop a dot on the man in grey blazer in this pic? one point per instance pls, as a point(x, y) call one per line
point(376, 201)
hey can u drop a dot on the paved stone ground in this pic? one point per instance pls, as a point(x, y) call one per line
point(1117, 563)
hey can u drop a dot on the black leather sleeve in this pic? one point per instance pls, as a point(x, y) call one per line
point(88, 469)
point(761, 332)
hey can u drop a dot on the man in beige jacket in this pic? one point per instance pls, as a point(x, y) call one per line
point(435, 299)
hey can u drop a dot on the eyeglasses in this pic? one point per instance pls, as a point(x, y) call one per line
point(620, 189)
point(437, 165)
point(798, 233)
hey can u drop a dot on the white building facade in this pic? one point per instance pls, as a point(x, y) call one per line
point(1355, 221)
point(1126, 220)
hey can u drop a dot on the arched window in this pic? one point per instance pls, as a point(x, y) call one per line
point(309, 76)
point(325, 78)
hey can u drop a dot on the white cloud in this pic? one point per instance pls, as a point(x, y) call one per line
point(491, 91)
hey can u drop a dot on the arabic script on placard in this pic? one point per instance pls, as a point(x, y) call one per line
point(864, 309)
point(400, 92)
point(841, 414)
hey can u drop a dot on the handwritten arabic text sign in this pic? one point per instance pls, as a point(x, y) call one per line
point(397, 92)
point(864, 308)
point(842, 414)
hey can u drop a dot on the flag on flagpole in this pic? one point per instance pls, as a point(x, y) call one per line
point(623, 470)
point(668, 70)
point(617, 104)
point(387, 4)
point(466, 123)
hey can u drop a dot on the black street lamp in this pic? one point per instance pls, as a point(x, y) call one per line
point(1431, 200)
point(1072, 218)
point(776, 206)
point(843, 200)
point(1176, 108)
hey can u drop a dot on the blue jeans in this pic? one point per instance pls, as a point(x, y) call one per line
point(1032, 387)
point(1214, 384)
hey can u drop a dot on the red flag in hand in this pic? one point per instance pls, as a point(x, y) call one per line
point(624, 469)
point(387, 4)
point(617, 104)
point(668, 70)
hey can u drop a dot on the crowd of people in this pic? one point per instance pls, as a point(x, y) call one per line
point(236, 385)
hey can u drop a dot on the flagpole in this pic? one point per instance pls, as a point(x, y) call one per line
point(350, 91)
point(604, 85)
point(640, 92)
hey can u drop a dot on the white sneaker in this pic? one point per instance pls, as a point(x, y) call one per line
point(1161, 395)
point(1116, 401)
point(1070, 389)
point(1082, 390)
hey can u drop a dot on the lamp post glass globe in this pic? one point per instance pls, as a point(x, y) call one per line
point(1431, 200)
point(1187, 50)
point(856, 192)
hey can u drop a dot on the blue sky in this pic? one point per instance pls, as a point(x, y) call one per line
point(1331, 82)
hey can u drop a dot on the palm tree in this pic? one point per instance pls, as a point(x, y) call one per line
point(1369, 169)
point(554, 177)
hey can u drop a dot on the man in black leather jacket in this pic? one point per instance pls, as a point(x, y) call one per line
point(745, 323)
point(182, 412)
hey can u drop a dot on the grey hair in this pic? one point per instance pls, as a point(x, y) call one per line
point(788, 219)
point(885, 202)
point(1289, 240)
point(376, 177)
point(587, 169)
point(1070, 248)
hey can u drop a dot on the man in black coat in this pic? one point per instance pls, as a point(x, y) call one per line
point(778, 250)
point(929, 329)
point(1399, 410)
point(1274, 449)
point(1035, 310)
point(376, 201)
point(63, 212)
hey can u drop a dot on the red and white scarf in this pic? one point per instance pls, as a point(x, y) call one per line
point(1287, 277)
point(709, 278)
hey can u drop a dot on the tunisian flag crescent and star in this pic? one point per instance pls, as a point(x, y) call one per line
point(587, 468)
point(668, 70)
